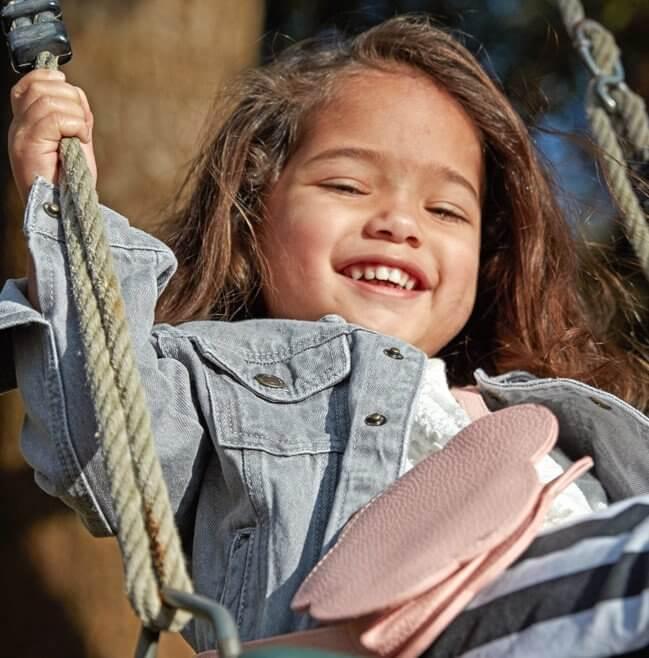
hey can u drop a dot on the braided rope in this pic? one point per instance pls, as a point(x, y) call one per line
point(630, 118)
point(634, 112)
point(572, 12)
point(629, 123)
point(617, 176)
point(146, 530)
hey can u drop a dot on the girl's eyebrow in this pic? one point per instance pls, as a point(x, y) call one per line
point(378, 157)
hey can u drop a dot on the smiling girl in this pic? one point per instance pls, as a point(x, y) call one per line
point(368, 217)
point(378, 222)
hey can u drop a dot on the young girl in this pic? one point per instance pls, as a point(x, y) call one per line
point(369, 215)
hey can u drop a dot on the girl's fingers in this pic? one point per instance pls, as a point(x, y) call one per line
point(49, 130)
point(47, 113)
point(43, 89)
point(35, 151)
point(45, 135)
point(45, 109)
point(90, 119)
point(37, 77)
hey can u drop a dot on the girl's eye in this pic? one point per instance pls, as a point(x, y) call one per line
point(446, 214)
point(345, 188)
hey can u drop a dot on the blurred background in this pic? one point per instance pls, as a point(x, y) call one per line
point(151, 69)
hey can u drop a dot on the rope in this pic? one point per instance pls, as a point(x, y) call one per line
point(146, 531)
point(617, 176)
point(572, 12)
point(618, 120)
point(630, 115)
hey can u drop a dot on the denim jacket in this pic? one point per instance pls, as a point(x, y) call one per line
point(266, 429)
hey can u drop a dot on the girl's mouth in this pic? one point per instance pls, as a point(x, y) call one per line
point(382, 276)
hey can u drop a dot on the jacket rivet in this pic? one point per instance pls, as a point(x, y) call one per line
point(375, 420)
point(393, 353)
point(270, 381)
point(52, 209)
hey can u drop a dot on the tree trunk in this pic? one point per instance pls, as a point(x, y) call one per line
point(150, 69)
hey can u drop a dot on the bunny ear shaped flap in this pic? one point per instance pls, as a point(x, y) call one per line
point(405, 632)
point(450, 509)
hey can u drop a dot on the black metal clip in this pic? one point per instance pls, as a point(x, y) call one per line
point(32, 27)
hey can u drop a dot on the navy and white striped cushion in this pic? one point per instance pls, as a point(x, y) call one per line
point(578, 591)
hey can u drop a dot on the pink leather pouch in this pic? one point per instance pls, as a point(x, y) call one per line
point(409, 561)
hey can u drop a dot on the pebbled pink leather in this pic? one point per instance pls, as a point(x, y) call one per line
point(424, 618)
point(446, 511)
point(408, 563)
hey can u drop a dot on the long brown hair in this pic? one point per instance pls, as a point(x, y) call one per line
point(529, 314)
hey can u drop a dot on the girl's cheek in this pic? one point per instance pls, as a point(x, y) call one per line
point(462, 254)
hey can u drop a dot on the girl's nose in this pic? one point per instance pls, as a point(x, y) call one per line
point(397, 225)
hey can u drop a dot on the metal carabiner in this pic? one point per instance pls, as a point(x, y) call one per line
point(604, 82)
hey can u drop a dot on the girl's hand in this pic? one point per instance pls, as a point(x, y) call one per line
point(45, 109)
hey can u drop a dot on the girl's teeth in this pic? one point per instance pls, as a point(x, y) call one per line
point(395, 276)
point(382, 273)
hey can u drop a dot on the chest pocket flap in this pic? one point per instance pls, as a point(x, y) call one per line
point(287, 374)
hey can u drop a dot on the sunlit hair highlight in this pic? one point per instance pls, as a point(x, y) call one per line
point(528, 315)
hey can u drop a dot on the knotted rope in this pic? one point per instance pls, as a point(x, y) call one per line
point(618, 120)
point(146, 531)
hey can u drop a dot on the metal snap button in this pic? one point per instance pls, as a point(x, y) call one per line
point(52, 209)
point(270, 381)
point(393, 353)
point(375, 420)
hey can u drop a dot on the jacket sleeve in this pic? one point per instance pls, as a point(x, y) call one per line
point(41, 353)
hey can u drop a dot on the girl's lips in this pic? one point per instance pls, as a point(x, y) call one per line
point(377, 260)
point(380, 289)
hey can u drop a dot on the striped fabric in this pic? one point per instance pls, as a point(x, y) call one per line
point(581, 591)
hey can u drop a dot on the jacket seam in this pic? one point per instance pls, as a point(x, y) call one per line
point(546, 384)
point(75, 476)
point(304, 448)
point(116, 245)
point(268, 357)
point(351, 447)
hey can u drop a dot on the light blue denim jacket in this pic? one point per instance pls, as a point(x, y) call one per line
point(262, 477)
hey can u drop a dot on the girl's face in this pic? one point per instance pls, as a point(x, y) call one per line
point(376, 217)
